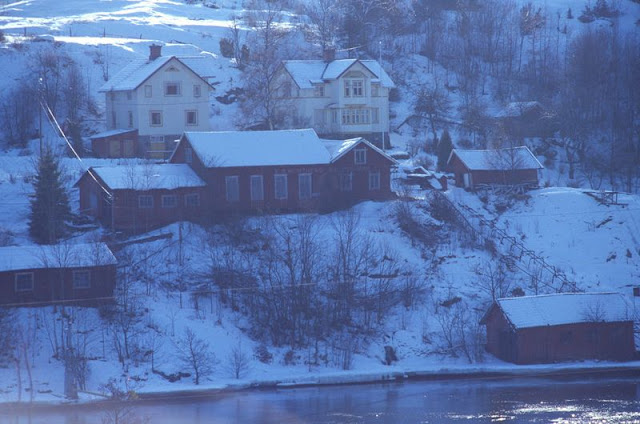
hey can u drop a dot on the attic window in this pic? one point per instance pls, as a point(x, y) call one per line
point(196, 90)
point(172, 69)
point(360, 156)
point(318, 90)
point(172, 89)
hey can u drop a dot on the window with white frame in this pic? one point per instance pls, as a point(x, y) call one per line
point(346, 181)
point(318, 90)
point(169, 201)
point(232, 186)
point(24, 281)
point(192, 200)
point(281, 191)
point(191, 117)
point(81, 279)
point(172, 89)
point(304, 186)
point(353, 88)
point(257, 188)
point(145, 201)
point(375, 90)
point(156, 118)
point(188, 155)
point(374, 180)
point(355, 116)
point(375, 115)
point(360, 156)
point(196, 90)
point(148, 91)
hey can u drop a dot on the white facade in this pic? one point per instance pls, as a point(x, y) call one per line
point(342, 97)
point(161, 98)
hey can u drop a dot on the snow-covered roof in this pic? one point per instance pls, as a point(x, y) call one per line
point(308, 72)
point(258, 148)
point(515, 109)
point(15, 258)
point(564, 308)
point(338, 148)
point(139, 70)
point(111, 133)
point(498, 159)
point(166, 176)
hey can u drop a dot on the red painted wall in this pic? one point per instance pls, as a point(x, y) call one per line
point(101, 146)
point(57, 284)
point(592, 340)
point(517, 176)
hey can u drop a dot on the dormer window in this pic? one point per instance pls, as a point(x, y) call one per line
point(172, 89)
point(318, 90)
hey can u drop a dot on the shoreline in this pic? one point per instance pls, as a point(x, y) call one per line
point(567, 372)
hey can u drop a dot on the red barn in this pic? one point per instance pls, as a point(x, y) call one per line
point(510, 166)
point(37, 275)
point(141, 197)
point(560, 327)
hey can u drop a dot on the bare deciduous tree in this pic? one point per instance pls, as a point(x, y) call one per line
point(195, 353)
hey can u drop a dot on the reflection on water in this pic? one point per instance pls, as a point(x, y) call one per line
point(512, 401)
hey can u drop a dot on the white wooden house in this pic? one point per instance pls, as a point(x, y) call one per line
point(338, 98)
point(161, 97)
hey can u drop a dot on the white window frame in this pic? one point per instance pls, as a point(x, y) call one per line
point(354, 87)
point(23, 274)
point(305, 181)
point(360, 156)
point(375, 115)
point(85, 283)
point(186, 118)
point(375, 90)
point(232, 188)
point(256, 188)
point(168, 85)
point(148, 91)
point(374, 180)
point(168, 201)
point(356, 116)
point(151, 114)
point(197, 90)
point(192, 200)
point(318, 90)
point(145, 201)
point(346, 181)
point(281, 192)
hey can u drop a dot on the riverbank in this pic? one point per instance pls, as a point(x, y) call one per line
point(563, 371)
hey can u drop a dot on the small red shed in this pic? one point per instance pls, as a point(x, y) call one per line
point(509, 166)
point(40, 275)
point(119, 143)
point(560, 327)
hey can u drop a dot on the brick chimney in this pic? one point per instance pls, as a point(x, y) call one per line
point(155, 51)
point(329, 54)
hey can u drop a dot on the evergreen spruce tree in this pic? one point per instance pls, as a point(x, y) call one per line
point(50, 206)
point(444, 149)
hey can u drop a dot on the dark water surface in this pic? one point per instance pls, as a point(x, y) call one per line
point(527, 400)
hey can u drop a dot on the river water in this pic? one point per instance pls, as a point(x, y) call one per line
point(530, 400)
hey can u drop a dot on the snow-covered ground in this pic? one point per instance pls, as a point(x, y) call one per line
point(597, 245)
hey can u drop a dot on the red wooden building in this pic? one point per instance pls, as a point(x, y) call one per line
point(40, 275)
point(560, 327)
point(244, 172)
point(115, 144)
point(284, 170)
point(510, 166)
point(140, 197)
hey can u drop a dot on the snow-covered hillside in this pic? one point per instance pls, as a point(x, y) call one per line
point(597, 246)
